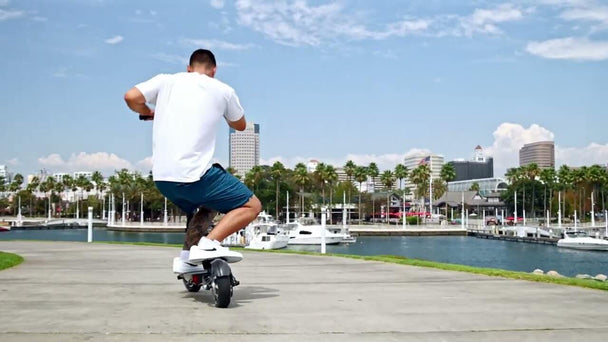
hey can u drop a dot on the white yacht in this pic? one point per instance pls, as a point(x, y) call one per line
point(264, 233)
point(306, 231)
point(343, 231)
point(577, 239)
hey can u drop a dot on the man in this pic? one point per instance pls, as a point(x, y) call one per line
point(187, 109)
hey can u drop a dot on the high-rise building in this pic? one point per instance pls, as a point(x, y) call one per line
point(4, 172)
point(541, 153)
point(244, 148)
point(434, 161)
point(480, 167)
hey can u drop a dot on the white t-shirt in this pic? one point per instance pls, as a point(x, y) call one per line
point(188, 106)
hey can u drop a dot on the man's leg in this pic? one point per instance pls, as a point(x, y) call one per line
point(198, 226)
point(236, 219)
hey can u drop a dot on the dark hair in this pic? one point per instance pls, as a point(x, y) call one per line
point(203, 57)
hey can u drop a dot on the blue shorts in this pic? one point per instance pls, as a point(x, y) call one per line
point(217, 190)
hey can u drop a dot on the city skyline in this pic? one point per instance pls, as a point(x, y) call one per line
point(328, 80)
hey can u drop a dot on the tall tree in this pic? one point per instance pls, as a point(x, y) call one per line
point(277, 171)
point(373, 172)
point(320, 175)
point(301, 178)
point(548, 177)
point(360, 175)
point(420, 176)
point(388, 180)
point(401, 172)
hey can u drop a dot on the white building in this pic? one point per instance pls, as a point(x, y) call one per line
point(434, 161)
point(87, 174)
point(4, 172)
point(311, 166)
point(244, 148)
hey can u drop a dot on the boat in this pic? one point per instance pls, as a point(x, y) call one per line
point(306, 231)
point(343, 231)
point(577, 239)
point(5, 228)
point(264, 233)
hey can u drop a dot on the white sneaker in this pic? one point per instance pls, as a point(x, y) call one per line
point(211, 249)
point(182, 267)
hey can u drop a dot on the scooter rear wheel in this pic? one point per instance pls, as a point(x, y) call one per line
point(222, 291)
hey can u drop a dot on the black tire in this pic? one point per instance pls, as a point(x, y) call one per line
point(222, 291)
point(190, 286)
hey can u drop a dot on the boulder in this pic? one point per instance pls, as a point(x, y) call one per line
point(583, 276)
point(538, 271)
point(600, 277)
point(554, 274)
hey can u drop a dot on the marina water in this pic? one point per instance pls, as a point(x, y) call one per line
point(471, 251)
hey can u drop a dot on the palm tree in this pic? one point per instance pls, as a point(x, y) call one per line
point(566, 181)
point(331, 178)
point(276, 172)
point(447, 174)
point(532, 171)
point(349, 169)
point(97, 179)
point(388, 180)
point(320, 175)
point(420, 177)
point(373, 172)
point(548, 177)
point(253, 177)
point(401, 172)
point(301, 179)
point(474, 187)
point(360, 175)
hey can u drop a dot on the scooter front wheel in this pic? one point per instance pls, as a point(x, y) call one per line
point(222, 291)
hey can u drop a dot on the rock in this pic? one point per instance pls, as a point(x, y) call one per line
point(538, 271)
point(554, 274)
point(600, 277)
point(583, 276)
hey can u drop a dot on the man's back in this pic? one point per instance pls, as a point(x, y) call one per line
point(188, 107)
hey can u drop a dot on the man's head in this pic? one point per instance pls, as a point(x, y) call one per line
point(202, 61)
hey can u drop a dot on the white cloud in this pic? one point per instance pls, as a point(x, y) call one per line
point(570, 48)
point(10, 14)
point(581, 156)
point(4, 3)
point(485, 20)
point(85, 162)
point(213, 44)
point(217, 3)
point(586, 14)
point(508, 139)
point(298, 23)
point(173, 59)
point(114, 40)
point(145, 165)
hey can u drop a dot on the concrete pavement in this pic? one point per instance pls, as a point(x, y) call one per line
point(68, 291)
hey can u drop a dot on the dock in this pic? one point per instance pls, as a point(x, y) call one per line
point(387, 230)
point(512, 238)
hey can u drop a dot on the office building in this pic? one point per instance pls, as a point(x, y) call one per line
point(244, 149)
point(4, 173)
point(480, 167)
point(541, 153)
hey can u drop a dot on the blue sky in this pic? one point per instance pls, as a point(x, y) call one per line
point(326, 80)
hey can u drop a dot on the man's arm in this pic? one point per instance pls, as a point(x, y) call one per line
point(239, 124)
point(137, 102)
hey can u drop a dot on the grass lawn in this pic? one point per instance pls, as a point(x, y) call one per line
point(9, 260)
